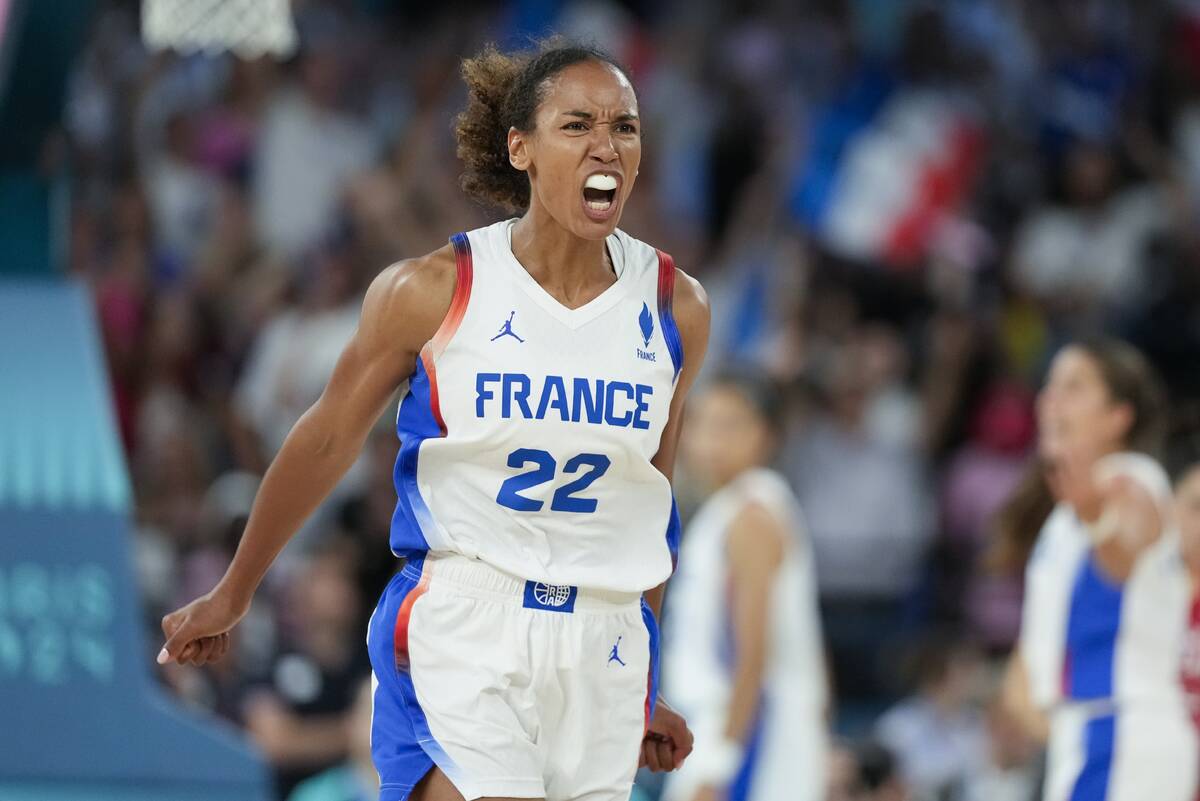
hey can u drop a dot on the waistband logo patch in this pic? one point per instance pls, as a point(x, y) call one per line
point(550, 597)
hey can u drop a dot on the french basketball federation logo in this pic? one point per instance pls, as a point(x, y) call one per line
point(550, 597)
point(553, 595)
point(646, 323)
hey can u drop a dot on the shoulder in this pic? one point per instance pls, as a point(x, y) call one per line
point(689, 307)
point(756, 533)
point(407, 301)
point(690, 303)
point(1142, 470)
point(1061, 531)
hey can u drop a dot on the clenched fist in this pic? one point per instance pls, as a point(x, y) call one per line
point(198, 633)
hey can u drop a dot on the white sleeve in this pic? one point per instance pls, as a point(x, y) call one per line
point(1044, 606)
point(1140, 468)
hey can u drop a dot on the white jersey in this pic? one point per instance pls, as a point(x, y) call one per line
point(1103, 659)
point(786, 753)
point(527, 428)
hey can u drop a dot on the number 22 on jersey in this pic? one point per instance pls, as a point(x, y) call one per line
point(593, 466)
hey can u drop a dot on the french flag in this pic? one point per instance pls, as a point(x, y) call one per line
point(886, 166)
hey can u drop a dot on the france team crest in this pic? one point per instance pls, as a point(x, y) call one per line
point(646, 324)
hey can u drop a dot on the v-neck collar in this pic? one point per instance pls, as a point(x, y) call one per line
point(572, 318)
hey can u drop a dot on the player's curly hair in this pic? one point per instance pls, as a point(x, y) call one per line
point(504, 90)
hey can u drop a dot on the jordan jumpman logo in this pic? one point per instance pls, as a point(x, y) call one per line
point(506, 329)
point(615, 656)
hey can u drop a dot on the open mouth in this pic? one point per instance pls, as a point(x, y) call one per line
point(600, 192)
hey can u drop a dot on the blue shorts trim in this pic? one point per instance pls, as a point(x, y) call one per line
point(402, 746)
point(652, 679)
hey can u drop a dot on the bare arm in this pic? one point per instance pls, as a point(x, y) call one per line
point(668, 741)
point(1018, 701)
point(287, 739)
point(692, 317)
point(755, 547)
point(402, 309)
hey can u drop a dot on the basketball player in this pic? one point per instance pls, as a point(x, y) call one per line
point(1106, 592)
point(745, 662)
point(1187, 517)
point(544, 361)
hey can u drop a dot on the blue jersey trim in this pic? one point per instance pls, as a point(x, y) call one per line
point(743, 781)
point(674, 528)
point(412, 522)
point(1093, 623)
point(1099, 735)
point(666, 314)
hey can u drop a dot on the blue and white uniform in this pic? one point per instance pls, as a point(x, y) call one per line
point(514, 650)
point(1103, 660)
point(786, 752)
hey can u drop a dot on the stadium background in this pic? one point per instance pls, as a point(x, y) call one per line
point(900, 209)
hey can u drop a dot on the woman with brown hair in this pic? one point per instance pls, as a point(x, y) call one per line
point(1106, 592)
point(544, 360)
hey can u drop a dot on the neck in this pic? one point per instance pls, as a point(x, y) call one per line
point(718, 482)
point(567, 266)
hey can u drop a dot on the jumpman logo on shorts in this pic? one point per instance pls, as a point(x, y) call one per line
point(615, 656)
point(506, 329)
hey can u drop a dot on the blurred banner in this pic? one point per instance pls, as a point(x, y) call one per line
point(82, 715)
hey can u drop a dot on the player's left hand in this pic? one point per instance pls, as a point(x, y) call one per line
point(668, 740)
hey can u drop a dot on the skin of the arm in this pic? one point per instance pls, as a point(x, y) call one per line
point(1017, 700)
point(755, 546)
point(691, 312)
point(668, 740)
point(402, 310)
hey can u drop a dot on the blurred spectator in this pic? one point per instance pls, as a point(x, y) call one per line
point(183, 197)
point(296, 351)
point(978, 478)
point(860, 475)
point(1084, 253)
point(1011, 769)
point(938, 734)
point(308, 148)
point(876, 776)
point(298, 713)
point(355, 779)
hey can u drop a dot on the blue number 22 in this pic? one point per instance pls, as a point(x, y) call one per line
point(543, 471)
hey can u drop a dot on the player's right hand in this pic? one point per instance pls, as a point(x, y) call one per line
point(198, 633)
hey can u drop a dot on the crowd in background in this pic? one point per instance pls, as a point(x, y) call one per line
point(899, 209)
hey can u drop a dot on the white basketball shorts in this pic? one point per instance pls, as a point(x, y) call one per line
point(510, 687)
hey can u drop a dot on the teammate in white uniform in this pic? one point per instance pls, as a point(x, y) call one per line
point(543, 363)
point(744, 661)
point(1187, 517)
point(1106, 593)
